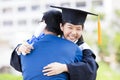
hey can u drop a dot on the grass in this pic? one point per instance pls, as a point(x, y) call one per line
point(104, 73)
point(9, 77)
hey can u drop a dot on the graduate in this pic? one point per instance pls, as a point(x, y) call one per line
point(72, 27)
point(47, 49)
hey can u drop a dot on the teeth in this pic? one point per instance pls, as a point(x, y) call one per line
point(72, 38)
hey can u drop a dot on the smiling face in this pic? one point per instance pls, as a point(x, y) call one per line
point(72, 32)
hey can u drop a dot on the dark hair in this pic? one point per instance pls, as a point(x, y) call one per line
point(80, 40)
point(53, 18)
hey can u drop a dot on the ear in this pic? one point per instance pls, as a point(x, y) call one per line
point(61, 26)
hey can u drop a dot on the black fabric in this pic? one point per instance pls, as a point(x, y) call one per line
point(85, 70)
point(74, 16)
point(15, 61)
point(80, 41)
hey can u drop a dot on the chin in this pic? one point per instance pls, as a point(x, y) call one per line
point(72, 40)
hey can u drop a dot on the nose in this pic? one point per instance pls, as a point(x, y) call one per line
point(74, 32)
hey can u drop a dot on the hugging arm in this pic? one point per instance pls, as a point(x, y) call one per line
point(15, 61)
point(82, 70)
point(85, 70)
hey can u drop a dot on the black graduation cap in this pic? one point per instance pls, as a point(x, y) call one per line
point(74, 16)
point(77, 17)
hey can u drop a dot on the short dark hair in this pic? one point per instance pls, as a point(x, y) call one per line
point(53, 18)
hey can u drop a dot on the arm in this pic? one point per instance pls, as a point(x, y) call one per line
point(54, 69)
point(82, 70)
point(85, 70)
point(58, 68)
point(24, 48)
point(15, 61)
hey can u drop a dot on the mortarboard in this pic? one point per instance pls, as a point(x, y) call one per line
point(77, 17)
point(74, 16)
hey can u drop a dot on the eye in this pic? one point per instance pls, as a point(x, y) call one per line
point(79, 29)
point(69, 27)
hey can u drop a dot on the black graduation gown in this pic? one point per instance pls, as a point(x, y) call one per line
point(85, 70)
point(15, 61)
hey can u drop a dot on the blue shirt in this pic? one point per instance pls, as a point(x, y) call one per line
point(49, 49)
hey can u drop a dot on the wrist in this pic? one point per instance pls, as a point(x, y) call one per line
point(17, 50)
point(65, 69)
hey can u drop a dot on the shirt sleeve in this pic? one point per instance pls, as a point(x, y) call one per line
point(79, 55)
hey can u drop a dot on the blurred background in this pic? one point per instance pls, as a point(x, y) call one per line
point(19, 19)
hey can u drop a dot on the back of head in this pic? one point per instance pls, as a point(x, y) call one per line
point(53, 18)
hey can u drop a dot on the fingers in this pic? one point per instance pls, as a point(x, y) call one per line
point(51, 65)
point(47, 70)
point(50, 69)
point(25, 48)
point(28, 46)
point(48, 66)
point(50, 73)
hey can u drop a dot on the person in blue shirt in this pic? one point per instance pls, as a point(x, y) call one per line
point(47, 49)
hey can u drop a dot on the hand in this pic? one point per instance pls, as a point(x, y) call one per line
point(54, 69)
point(25, 48)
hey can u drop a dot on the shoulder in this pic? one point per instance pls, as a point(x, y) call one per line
point(84, 46)
point(86, 49)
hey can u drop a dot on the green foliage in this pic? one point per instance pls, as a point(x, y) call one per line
point(118, 55)
point(9, 77)
point(103, 47)
point(117, 12)
point(106, 73)
point(116, 42)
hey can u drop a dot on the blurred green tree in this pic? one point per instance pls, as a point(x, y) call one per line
point(116, 42)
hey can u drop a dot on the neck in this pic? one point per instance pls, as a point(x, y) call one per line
point(49, 32)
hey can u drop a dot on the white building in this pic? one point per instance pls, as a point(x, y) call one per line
point(19, 18)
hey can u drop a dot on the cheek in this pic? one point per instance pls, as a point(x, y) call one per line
point(66, 34)
point(79, 33)
point(66, 31)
